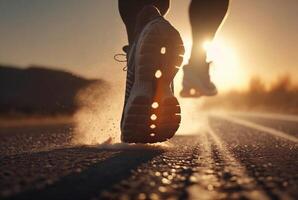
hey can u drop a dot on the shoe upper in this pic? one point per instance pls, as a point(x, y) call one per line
point(147, 14)
point(197, 77)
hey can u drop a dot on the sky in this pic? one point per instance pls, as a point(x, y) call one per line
point(258, 37)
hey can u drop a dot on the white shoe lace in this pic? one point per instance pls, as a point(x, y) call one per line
point(118, 56)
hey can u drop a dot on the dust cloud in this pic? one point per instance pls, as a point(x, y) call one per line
point(194, 121)
point(97, 121)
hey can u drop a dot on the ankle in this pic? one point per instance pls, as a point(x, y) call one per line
point(146, 15)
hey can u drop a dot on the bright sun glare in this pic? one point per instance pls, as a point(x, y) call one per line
point(225, 70)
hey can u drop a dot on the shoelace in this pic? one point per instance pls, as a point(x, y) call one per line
point(118, 56)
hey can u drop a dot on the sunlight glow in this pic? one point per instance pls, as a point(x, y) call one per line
point(152, 126)
point(158, 74)
point(163, 50)
point(226, 71)
point(192, 91)
point(155, 105)
point(153, 117)
point(207, 45)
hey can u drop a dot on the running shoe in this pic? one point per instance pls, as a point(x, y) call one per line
point(197, 82)
point(151, 112)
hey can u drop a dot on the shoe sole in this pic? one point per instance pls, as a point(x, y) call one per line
point(195, 93)
point(143, 120)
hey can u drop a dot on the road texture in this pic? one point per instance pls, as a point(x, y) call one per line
point(237, 156)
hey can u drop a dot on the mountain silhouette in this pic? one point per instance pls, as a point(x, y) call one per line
point(39, 90)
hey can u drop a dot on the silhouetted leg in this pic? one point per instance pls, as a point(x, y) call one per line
point(129, 10)
point(205, 18)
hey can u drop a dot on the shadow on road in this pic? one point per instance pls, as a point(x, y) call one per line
point(70, 173)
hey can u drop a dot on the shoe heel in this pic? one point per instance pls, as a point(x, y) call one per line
point(149, 123)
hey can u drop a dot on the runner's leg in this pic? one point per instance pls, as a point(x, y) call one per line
point(205, 18)
point(129, 10)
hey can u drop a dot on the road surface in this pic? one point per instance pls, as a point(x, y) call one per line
point(238, 156)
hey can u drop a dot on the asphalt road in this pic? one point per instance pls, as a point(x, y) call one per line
point(236, 157)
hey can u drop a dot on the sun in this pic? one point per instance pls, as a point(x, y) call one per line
point(225, 70)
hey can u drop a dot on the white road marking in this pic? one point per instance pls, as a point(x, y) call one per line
point(207, 180)
point(274, 116)
point(234, 167)
point(258, 127)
